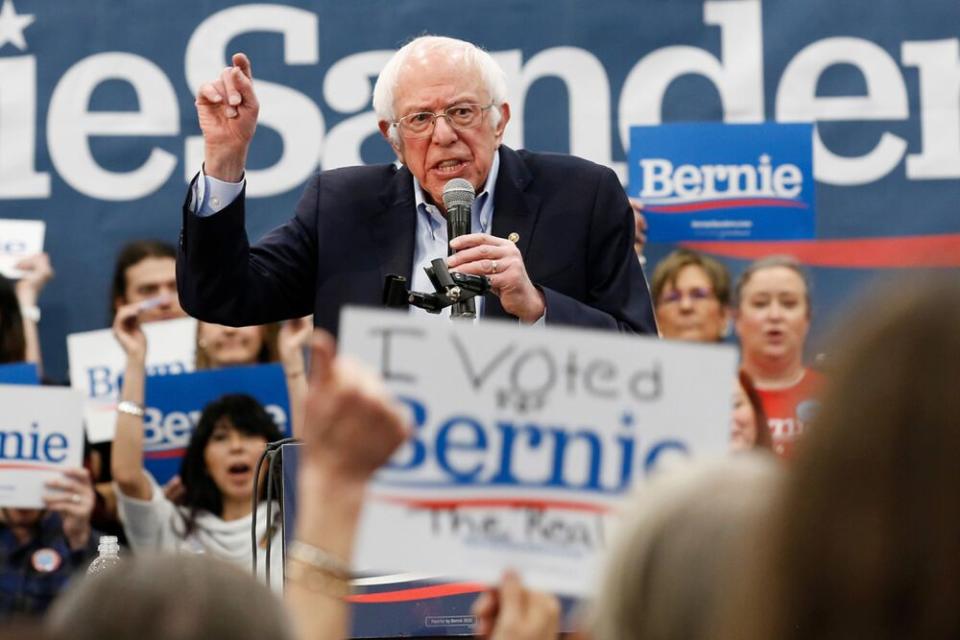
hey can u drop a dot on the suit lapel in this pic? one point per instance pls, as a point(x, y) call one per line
point(515, 210)
point(394, 226)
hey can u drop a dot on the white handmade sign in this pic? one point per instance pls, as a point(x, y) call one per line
point(525, 440)
point(41, 434)
point(97, 362)
point(18, 240)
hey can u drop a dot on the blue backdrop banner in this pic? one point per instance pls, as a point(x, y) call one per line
point(100, 137)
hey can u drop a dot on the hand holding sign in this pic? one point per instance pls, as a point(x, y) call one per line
point(73, 498)
point(227, 109)
point(513, 612)
point(127, 330)
point(640, 227)
point(37, 272)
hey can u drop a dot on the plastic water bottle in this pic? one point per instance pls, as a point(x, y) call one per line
point(109, 550)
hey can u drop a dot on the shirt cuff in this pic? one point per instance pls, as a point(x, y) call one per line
point(210, 195)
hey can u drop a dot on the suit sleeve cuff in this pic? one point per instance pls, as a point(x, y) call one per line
point(210, 196)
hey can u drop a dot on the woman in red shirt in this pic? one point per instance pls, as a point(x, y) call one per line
point(772, 319)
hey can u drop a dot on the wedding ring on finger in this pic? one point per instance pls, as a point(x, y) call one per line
point(493, 266)
point(75, 498)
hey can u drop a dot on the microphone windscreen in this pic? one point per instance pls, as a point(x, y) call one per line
point(458, 193)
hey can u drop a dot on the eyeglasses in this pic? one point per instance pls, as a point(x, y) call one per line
point(459, 116)
point(696, 294)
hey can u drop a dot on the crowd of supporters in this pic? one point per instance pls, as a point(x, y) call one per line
point(832, 517)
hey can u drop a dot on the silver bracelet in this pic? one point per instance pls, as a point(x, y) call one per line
point(130, 408)
point(319, 559)
point(31, 313)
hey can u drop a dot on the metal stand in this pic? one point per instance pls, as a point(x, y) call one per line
point(452, 289)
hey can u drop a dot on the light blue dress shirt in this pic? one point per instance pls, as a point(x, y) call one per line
point(431, 233)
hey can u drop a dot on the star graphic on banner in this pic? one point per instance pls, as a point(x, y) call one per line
point(12, 26)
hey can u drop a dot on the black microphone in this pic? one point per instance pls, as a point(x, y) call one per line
point(458, 195)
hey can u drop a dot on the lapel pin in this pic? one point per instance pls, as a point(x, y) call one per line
point(513, 237)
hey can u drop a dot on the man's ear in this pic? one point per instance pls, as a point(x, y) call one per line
point(504, 119)
point(384, 127)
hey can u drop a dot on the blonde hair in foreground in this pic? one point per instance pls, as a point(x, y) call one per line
point(866, 540)
point(169, 597)
point(678, 547)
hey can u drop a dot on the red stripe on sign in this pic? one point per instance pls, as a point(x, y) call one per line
point(165, 453)
point(29, 467)
point(479, 503)
point(418, 593)
point(725, 204)
point(865, 253)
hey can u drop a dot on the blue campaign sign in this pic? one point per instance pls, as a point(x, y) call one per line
point(174, 404)
point(19, 373)
point(710, 181)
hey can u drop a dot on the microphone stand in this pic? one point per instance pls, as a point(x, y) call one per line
point(450, 288)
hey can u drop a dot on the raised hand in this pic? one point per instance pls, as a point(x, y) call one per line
point(513, 612)
point(129, 333)
point(227, 109)
point(37, 272)
point(72, 497)
point(292, 338)
point(640, 226)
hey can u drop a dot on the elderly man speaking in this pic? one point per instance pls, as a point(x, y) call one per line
point(554, 234)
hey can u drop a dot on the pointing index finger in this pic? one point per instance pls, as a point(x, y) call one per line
point(243, 62)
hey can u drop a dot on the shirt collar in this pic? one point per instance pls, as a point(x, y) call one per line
point(479, 204)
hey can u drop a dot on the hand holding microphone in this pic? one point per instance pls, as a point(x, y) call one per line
point(483, 254)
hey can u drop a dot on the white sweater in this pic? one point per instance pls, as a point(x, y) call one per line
point(158, 525)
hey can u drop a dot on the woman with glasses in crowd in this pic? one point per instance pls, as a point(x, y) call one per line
point(691, 294)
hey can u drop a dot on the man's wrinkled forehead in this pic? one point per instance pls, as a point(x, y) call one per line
point(434, 67)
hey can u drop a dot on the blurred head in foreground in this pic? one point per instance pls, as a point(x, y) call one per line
point(169, 597)
point(866, 539)
point(678, 548)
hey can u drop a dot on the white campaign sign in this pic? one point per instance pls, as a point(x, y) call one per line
point(97, 362)
point(41, 433)
point(19, 239)
point(525, 440)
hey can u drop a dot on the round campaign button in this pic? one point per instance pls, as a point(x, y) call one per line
point(46, 560)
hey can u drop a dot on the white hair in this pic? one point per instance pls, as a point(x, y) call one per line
point(492, 75)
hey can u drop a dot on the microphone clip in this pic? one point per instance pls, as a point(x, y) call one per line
point(450, 288)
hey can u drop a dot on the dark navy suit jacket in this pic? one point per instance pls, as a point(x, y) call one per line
point(354, 226)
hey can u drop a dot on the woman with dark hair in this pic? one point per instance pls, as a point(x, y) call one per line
point(222, 346)
point(13, 346)
point(864, 541)
point(19, 314)
point(748, 429)
point(217, 471)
